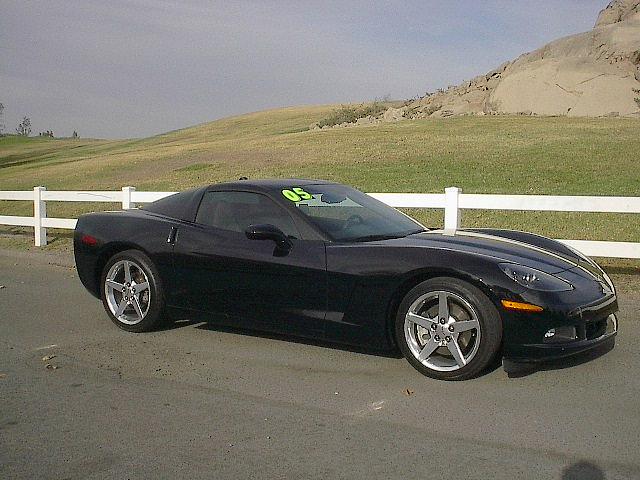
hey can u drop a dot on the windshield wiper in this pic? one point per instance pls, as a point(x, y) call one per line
point(371, 238)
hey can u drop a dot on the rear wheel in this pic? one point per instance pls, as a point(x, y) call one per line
point(131, 292)
point(448, 329)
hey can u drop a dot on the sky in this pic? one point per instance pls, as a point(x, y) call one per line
point(124, 69)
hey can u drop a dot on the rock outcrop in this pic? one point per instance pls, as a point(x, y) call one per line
point(595, 73)
point(617, 11)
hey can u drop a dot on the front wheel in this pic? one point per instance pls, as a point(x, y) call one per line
point(132, 293)
point(448, 329)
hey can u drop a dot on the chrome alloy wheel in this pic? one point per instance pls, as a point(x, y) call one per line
point(127, 292)
point(442, 331)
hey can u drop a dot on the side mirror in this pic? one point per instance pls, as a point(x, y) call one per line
point(269, 232)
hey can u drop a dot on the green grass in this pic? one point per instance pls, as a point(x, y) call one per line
point(509, 155)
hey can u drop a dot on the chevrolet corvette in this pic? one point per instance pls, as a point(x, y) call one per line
point(324, 261)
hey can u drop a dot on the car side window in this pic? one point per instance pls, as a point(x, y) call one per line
point(235, 211)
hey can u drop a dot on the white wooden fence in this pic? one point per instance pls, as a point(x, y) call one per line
point(453, 201)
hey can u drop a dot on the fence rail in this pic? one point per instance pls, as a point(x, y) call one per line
point(453, 201)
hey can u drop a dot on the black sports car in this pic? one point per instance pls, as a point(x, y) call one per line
point(325, 261)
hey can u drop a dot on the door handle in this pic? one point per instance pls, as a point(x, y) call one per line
point(171, 239)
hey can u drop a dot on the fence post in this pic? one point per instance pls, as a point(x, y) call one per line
point(452, 213)
point(39, 212)
point(126, 198)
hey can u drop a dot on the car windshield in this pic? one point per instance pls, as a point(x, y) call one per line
point(345, 214)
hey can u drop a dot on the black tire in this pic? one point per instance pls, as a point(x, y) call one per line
point(140, 266)
point(479, 344)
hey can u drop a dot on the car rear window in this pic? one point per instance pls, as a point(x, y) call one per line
point(178, 206)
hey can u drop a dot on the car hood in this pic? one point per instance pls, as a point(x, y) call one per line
point(536, 252)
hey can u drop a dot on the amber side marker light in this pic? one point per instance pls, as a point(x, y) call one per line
point(520, 307)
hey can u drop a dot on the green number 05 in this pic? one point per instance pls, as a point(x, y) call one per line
point(296, 194)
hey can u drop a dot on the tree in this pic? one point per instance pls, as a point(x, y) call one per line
point(1, 124)
point(24, 127)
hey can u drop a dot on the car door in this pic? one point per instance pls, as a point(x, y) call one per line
point(250, 282)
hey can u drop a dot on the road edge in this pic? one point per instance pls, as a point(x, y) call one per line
point(58, 259)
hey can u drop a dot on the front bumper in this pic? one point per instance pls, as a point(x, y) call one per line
point(586, 328)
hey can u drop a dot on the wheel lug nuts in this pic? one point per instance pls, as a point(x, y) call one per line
point(434, 326)
point(451, 328)
point(437, 338)
point(448, 339)
point(442, 320)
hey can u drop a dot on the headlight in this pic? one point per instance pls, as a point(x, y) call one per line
point(534, 279)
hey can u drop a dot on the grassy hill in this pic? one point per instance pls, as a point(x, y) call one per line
point(502, 154)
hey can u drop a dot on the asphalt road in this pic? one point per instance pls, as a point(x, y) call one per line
point(197, 401)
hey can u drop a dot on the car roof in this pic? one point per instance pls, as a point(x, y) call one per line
point(268, 183)
point(184, 205)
